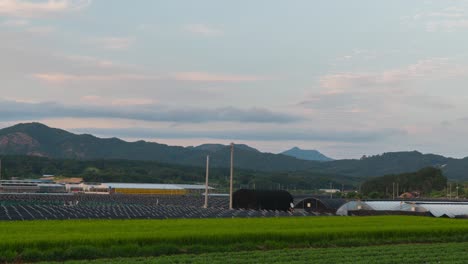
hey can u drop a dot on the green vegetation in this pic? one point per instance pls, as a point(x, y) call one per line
point(417, 253)
point(89, 239)
point(156, 172)
point(40, 140)
point(424, 181)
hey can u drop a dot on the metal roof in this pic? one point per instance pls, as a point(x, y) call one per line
point(193, 186)
point(142, 186)
point(155, 186)
point(50, 185)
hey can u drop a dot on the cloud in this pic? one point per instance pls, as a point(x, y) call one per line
point(371, 104)
point(14, 110)
point(213, 77)
point(447, 25)
point(61, 78)
point(450, 19)
point(202, 29)
point(93, 61)
point(41, 30)
point(18, 8)
point(388, 92)
point(112, 43)
point(98, 100)
point(434, 68)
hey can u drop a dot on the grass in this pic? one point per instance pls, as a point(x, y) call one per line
point(90, 239)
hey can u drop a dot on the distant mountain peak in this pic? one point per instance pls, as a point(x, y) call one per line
point(303, 154)
point(217, 147)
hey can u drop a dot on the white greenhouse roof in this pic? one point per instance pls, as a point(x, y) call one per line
point(450, 209)
point(155, 186)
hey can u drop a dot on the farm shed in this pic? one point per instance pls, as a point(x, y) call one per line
point(262, 200)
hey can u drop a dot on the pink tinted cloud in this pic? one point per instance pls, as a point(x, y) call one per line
point(62, 77)
point(19, 8)
point(58, 78)
point(98, 100)
point(213, 77)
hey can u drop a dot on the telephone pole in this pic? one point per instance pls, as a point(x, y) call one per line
point(232, 176)
point(206, 180)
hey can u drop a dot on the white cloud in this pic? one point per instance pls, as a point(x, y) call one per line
point(435, 68)
point(202, 29)
point(18, 8)
point(450, 19)
point(447, 25)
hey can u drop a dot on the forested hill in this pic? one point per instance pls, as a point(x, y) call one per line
point(36, 139)
point(156, 172)
point(423, 181)
point(396, 163)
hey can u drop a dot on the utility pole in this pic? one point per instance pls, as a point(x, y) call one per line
point(331, 191)
point(206, 180)
point(450, 192)
point(0, 169)
point(232, 176)
point(393, 191)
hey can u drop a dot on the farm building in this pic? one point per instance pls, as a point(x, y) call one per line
point(151, 188)
point(30, 186)
point(262, 200)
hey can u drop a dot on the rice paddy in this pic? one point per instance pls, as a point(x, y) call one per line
point(90, 239)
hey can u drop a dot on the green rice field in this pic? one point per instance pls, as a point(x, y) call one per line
point(32, 241)
point(454, 253)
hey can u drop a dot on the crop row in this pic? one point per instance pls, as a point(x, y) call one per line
point(88, 239)
point(415, 253)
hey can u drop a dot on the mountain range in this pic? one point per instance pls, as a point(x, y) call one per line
point(36, 139)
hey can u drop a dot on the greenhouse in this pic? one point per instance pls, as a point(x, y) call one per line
point(450, 209)
point(319, 204)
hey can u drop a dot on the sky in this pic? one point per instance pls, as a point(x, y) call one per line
point(348, 78)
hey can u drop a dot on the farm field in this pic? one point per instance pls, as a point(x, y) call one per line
point(90, 239)
point(416, 253)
